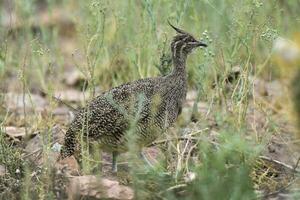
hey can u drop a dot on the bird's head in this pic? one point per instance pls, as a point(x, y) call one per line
point(184, 43)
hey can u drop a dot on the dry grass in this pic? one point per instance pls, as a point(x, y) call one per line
point(237, 108)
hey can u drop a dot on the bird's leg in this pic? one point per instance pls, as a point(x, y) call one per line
point(146, 159)
point(114, 161)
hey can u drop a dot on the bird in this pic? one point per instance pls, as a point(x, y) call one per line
point(152, 103)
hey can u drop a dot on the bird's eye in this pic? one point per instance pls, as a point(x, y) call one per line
point(192, 41)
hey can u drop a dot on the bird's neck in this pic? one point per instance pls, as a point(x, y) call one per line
point(179, 63)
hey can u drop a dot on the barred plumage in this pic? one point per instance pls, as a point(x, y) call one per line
point(153, 102)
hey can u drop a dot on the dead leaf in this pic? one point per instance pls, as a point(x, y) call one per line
point(15, 132)
point(98, 188)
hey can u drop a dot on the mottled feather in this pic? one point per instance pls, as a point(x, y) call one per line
point(153, 102)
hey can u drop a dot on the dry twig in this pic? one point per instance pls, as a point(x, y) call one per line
point(281, 164)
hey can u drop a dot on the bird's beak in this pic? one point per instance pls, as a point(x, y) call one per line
point(201, 44)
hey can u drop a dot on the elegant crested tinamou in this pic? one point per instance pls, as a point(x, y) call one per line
point(154, 104)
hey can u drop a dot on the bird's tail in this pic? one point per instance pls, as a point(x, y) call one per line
point(69, 146)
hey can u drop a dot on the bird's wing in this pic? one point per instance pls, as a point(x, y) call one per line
point(111, 112)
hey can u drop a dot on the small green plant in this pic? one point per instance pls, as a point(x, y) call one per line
point(11, 160)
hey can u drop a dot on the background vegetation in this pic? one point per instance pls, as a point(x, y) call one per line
point(238, 108)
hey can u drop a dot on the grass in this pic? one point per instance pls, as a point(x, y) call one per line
point(113, 42)
point(12, 160)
